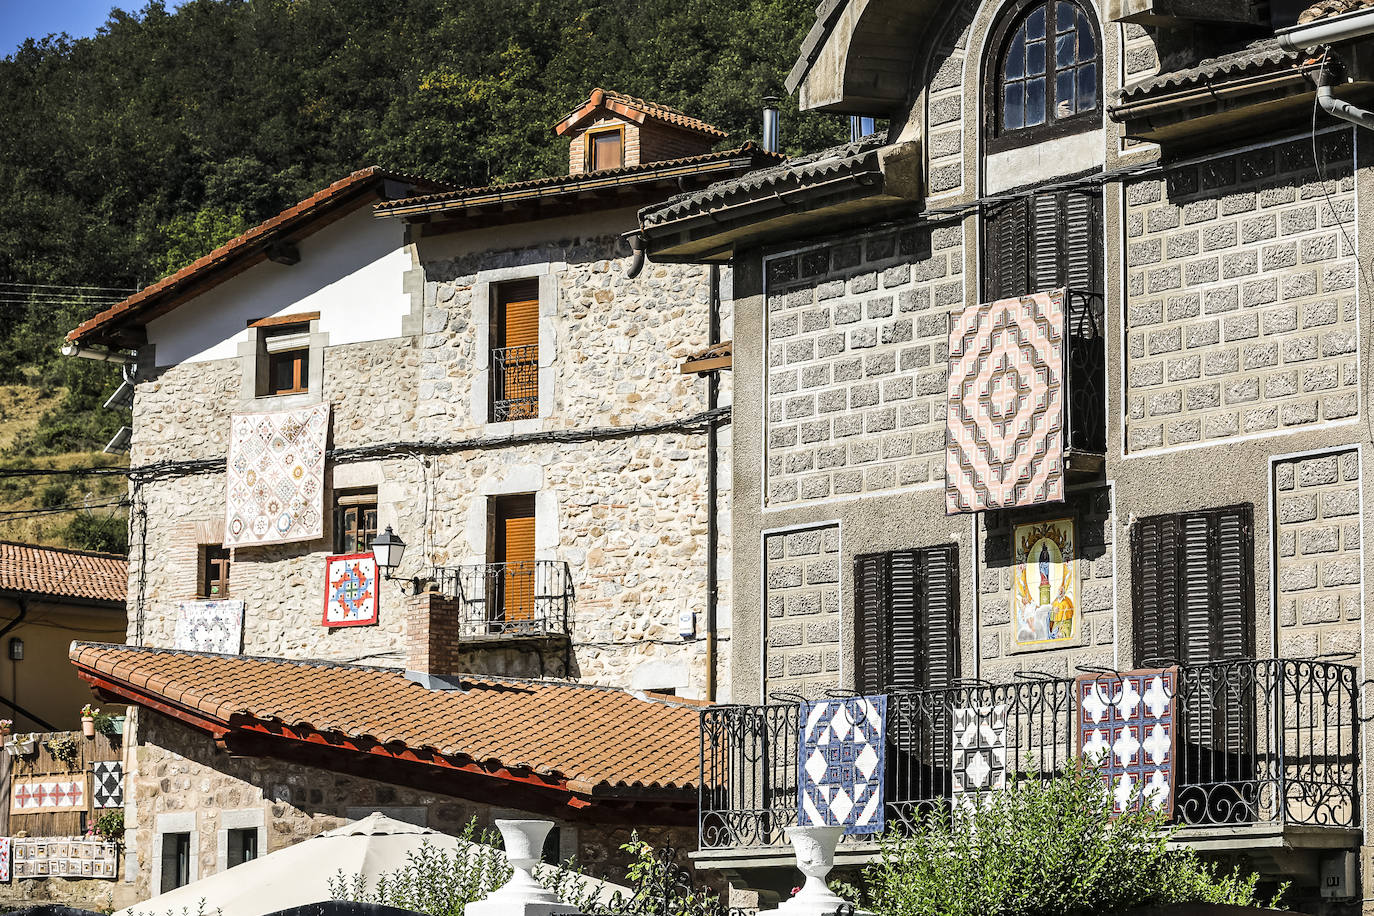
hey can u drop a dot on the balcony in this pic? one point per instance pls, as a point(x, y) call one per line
point(498, 601)
point(514, 383)
point(1266, 758)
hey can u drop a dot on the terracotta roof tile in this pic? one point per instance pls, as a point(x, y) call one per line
point(591, 737)
point(60, 573)
point(574, 183)
point(249, 243)
point(1326, 9)
point(636, 110)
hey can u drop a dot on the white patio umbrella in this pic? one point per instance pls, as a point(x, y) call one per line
point(301, 873)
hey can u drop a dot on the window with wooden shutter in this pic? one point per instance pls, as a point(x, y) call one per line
point(906, 619)
point(214, 566)
point(1043, 242)
point(1193, 587)
point(355, 520)
point(513, 559)
point(515, 350)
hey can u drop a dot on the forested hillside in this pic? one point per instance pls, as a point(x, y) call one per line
point(126, 155)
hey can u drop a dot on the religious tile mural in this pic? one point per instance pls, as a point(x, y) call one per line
point(1044, 584)
point(1005, 387)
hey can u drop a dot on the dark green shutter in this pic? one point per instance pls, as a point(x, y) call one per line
point(1006, 250)
point(906, 619)
point(870, 623)
point(941, 615)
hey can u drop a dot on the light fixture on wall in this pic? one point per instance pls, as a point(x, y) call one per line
point(387, 550)
point(16, 649)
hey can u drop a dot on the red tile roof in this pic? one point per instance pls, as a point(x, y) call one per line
point(625, 175)
point(248, 249)
point(592, 739)
point(637, 110)
point(55, 572)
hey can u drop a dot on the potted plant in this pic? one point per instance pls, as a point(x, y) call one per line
point(22, 745)
point(109, 826)
point(63, 747)
point(88, 714)
point(6, 728)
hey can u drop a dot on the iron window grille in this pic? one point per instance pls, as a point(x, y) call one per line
point(514, 383)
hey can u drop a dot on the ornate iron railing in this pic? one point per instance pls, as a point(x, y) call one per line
point(1268, 741)
point(514, 383)
point(510, 599)
point(1086, 374)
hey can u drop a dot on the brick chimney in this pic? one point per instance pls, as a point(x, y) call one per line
point(611, 130)
point(432, 633)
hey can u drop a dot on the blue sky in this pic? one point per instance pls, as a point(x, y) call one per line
point(20, 19)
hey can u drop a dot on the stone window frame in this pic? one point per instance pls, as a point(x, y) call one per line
point(253, 363)
point(179, 822)
point(518, 480)
point(238, 819)
point(483, 290)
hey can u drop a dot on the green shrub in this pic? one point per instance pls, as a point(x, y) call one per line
point(1044, 849)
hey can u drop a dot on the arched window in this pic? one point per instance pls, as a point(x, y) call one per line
point(1046, 78)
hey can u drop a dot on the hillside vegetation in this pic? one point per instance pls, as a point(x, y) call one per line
point(129, 154)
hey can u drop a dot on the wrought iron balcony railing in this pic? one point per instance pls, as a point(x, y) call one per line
point(514, 383)
point(531, 598)
point(1086, 373)
point(1259, 742)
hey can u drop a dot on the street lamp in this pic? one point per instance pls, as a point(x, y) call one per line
point(387, 550)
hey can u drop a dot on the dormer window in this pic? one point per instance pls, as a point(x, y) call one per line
point(1046, 79)
point(605, 149)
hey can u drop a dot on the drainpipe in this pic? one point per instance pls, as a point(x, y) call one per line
point(1339, 108)
point(712, 534)
point(636, 242)
point(1350, 27)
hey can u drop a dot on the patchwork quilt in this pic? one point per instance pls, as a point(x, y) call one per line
point(840, 765)
point(275, 477)
point(1004, 443)
point(350, 592)
point(107, 784)
point(64, 857)
point(1127, 725)
point(210, 626)
point(49, 793)
point(979, 763)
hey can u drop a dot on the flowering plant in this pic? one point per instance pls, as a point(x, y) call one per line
point(6, 726)
point(89, 710)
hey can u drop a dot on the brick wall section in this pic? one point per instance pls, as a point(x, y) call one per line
point(1319, 561)
point(577, 152)
point(1241, 311)
point(857, 350)
point(658, 142)
point(802, 584)
point(1001, 659)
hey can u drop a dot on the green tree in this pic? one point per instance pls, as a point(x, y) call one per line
point(1047, 848)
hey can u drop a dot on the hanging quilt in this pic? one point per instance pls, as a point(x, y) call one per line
point(275, 477)
point(5, 858)
point(350, 593)
point(107, 784)
point(64, 857)
point(51, 793)
point(1005, 425)
point(979, 763)
point(840, 764)
point(1127, 726)
point(210, 626)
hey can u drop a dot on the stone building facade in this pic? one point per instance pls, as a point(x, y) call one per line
point(399, 317)
point(1209, 243)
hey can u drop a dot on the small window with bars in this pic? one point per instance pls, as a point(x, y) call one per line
point(355, 520)
point(214, 571)
point(1192, 587)
point(515, 350)
point(906, 619)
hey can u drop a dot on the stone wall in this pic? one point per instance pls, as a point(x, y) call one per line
point(857, 342)
point(1001, 657)
point(626, 511)
point(176, 770)
point(1317, 503)
point(802, 632)
point(1241, 283)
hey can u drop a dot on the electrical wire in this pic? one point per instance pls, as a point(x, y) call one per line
point(21, 514)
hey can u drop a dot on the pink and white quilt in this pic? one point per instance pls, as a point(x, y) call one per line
point(36, 796)
point(275, 477)
point(1004, 443)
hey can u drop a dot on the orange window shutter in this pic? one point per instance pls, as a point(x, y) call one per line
point(521, 315)
point(519, 569)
